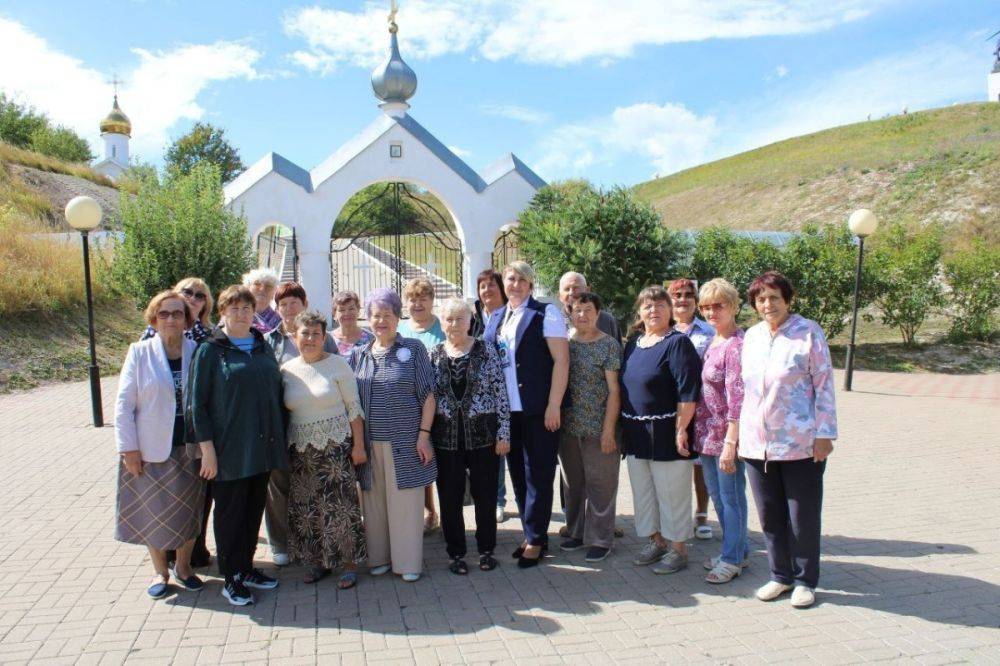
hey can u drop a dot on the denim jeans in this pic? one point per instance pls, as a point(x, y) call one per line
point(502, 483)
point(729, 495)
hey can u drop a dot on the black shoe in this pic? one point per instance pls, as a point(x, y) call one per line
point(519, 551)
point(458, 566)
point(569, 545)
point(236, 593)
point(259, 580)
point(528, 562)
point(596, 553)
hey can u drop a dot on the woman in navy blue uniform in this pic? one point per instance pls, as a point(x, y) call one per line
point(532, 340)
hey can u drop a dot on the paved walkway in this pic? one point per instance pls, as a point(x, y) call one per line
point(911, 570)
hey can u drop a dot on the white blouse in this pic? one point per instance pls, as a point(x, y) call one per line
point(322, 398)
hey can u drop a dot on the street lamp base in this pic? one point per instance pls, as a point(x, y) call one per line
point(95, 396)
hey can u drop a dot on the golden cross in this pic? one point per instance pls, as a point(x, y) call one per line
point(115, 81)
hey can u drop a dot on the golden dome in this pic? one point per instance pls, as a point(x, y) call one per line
point(116, 122)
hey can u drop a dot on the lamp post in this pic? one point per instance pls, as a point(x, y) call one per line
point(862, 223)
point(84, 215)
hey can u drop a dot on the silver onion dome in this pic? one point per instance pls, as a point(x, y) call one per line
point(393, 80)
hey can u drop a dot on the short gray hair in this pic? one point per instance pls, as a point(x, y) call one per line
point(455, 306)
point(264, 274)
point(310, 318)
point(575, 276)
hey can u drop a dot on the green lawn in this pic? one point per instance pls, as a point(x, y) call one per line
point(423, 250)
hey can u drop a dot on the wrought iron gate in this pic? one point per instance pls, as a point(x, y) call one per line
point(505, 249)
point(391, 235)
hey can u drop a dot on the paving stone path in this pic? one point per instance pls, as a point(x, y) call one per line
point(911, 569)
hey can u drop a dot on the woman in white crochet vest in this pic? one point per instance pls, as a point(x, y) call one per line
point(326, 442)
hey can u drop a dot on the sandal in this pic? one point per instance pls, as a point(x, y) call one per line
point(315, 575)
point(487, 562)
point(458, 566)
point(347, 580)
point(723, 572)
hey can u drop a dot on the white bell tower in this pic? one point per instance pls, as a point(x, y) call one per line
point(116, 130)
point(993, 80)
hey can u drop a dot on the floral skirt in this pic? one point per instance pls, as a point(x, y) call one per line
point(324, 516)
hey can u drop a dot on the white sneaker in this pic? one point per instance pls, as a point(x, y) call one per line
point(411, 577)
point(281, 560)
point(771, 590)
point(380, 570)
point(501, 514)
point(803, 597)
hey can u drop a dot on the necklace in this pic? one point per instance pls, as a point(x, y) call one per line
point(649, 340)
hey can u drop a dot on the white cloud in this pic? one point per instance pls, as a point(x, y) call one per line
point(514, 112)
point(781, 71)
point(668, 136)
point(556, 32)
point(461, 152)
point(161, 89)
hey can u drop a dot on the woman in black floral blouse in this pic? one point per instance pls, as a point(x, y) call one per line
point(471, 431)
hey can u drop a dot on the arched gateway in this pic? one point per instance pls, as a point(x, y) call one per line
point(395, 149)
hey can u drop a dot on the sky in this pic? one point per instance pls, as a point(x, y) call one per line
point(615, 92)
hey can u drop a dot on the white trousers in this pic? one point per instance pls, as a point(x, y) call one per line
point(661, 497)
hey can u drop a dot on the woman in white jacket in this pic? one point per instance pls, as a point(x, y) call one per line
point(161, 487)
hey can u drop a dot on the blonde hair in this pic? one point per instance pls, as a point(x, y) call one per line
point(418, 287)
point(521, 268)
point(264, 274)
point(200, 285)
point(720, 289)
point(456, 305)
point(157, 301)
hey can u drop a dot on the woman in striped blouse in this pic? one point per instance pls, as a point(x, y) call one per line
point(395, 383)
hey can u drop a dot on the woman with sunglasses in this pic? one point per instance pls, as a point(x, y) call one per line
point(198, 297)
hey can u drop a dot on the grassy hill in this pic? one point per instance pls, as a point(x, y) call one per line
point(941, 166)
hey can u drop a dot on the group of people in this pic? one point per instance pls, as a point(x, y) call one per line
point(337, 438)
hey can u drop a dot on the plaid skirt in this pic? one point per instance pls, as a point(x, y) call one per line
point(162, 507)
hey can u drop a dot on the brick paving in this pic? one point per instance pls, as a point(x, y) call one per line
point(910, 571)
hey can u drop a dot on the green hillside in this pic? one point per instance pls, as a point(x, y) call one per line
point(941, 166)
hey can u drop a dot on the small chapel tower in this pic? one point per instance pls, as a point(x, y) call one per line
point(993, 81)
point(116, 130)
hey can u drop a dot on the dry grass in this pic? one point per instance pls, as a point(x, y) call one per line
point(14, 155)
point(36, 273)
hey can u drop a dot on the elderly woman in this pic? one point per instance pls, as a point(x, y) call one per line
point(531, 337)
point(161, 489)
point(489, 286)
point(716, 425)
point(198, 297)
point(326, 440)
point(684, 301)
point(395, 382)
point(787, 427)
point(588, 450)
point(348, 335)
point(290, 299)
point(423, 325)
point(262, 283)
point(235, 410)
point(660, 381)
point(471, 430)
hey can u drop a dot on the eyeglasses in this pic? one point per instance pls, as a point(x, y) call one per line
point(191, 293)
point(164, 315)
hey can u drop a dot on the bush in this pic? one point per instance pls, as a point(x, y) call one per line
point(204, 143)
point(609, 236)
point(719, 252)
point(907, 266)
point(178, 229)
point(820, 262)
point(973, 275)
point(18, 123)
point(62, 143)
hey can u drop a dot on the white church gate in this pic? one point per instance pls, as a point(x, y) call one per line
point(391, 233)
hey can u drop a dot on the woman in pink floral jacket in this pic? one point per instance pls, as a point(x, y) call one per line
point(787, 427)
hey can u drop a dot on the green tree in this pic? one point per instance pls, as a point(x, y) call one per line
point(973, 275)
point(179, 229)
point(718, 252)
point(372, 211)
point(820, 263)
point(19, 122)
point(62, 143)
point(204, 143)
point(609, 236)
point(907, 266)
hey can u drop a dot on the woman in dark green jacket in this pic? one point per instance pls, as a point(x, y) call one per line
point(236, 409)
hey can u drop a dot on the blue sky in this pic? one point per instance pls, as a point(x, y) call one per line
point(612, 91)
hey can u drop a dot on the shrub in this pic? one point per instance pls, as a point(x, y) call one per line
point(18, 123)
point(62, 143)
point(21, 126)
point(177, 229)
point(973, 275)
point(719, 252)
point(609, 236)
point(907, 267)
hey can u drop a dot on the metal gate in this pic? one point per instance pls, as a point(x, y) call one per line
point(280, 252)
point(505, 249)
point(391, 235)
